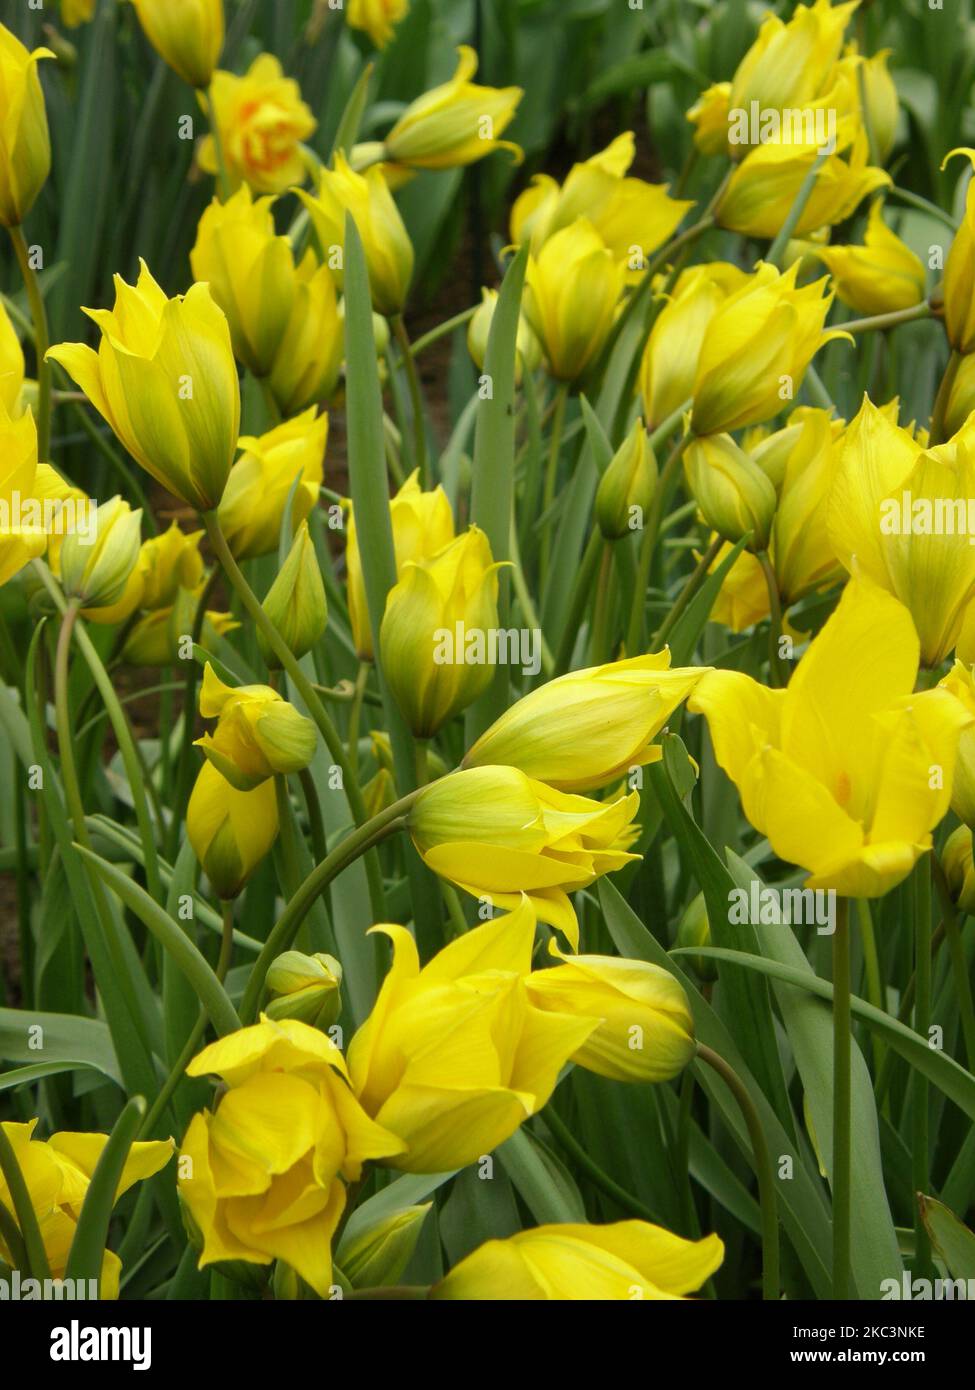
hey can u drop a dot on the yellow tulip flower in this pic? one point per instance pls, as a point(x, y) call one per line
point(575, 1262)
point(882, 101)
point(960, 683)
point(169, 562)
point(76, 12)
point(258, 733)
point(498, 834)
point(846, 771)
point(98, 571)
point(959, 867)
point(25, 142)
point(158, 638)
point(961, 399)
point(377, 17)
point(262, 1175)
point(709, 117)
point(883, 520)
point(743, 597)
point(230, 830)
point(734, 495)
point(626, 488)
point(528, 349)
point(423, 525)
point(878, 277)
point(959, 282)
point(58, 1173)
point(385, 240)
point(800, 549)
point(12, 369)
point(436, 614)
point(296, 602)
point(187, 34)
point(165, 379)
point(573, 289)
point(262, 122)
point(261, 480)
point(756, 349)
point(306, 367)
point(455, 124)
point(454, 1057)
point(588, 728)
point(20, 538)
point(645, 1033)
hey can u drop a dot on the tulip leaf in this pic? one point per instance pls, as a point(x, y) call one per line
point(599, 445)
point(544, 1183)
point(26, 1076)
point(91, 1233)
point(351, 119)
point(953, 1241)
point(66, 1041)
point(686, 632)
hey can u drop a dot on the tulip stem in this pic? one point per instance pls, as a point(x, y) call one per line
point(408, 364)
point(184, 764)
point(668, 474)
point(692, 586)
point(551, 474)
point(41, 342)
point(442, 329)
point(776, 251)
point(764, 1171)
point(894, 319)
point(307, 692)
point(959, 964)
point(943, 397)
point(920, 1176)
point(283, 933)
point(355, 714)
point(577, 604)
point(842, 1097)
point(223, 177)
point(777, 669)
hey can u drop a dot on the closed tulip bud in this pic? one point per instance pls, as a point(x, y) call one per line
point(296, 601)
point(709, 116)
point(627, 1260)
point(734, 495)
point(528, 349)
point(626, 488)
point(456, 123)
point(882, 102)
point(305, 987)
point(306, 367)
point(573, 288)
point(165, 379)
point(231, 831)
point(258, 733)
point(262, 122)
point(693, 930)
point(187, 34)
point(170, 562)
point(588, 728)
point(12, 368)
point(957, 862)
point(261, 480)
point(25, 142)
point(97, 572)
point(250, 271)
point(960, 683)
point(377, 18)
point(959, 282)
point(879, 277)
point(757, 347)
point(499, 834)
point(385, 240)
point(377, 1255)
point(645, 1033)
point(435, 630)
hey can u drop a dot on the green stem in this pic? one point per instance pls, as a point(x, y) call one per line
point(408, 363)
point(871, 963)
point(943, 397)
point(577, 604)
point(597, 1175)
point(920, 1169)
point(441, 330)
point(842, 1095)
point(785, 233)
point(763, 1168)
point(184, 765)
point(686, 594)
point(223, 177)
point(777, 668)
point(959, 963)
point(879, 322)
point(527, 603)
point(668, 475)
point(42, 342)
point(355, 715)
point(316, 825)
point(551, 473)
point(914, 200)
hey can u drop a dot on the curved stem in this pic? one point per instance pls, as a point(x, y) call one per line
point(580, 597)
point(223, 177)
point(777, 669)
point(940, 410)
point(692, 586)
point(442, 329)
point(891, 320)
point(316, 825)
point(551, 473)
point(763, 1168)
point(842, 1097)
point(408, 363)
point(41, 342)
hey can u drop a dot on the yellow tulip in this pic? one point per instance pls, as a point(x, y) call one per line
point(765, 185)
point(377, 17)
point(528, 350)
point(846, 771)
point(250, 271)
point(187, 34)
point(261, 480)
point(956, 859)
point(98, 571)
point(959, 282)
point(19, 542)
point(262, 1175)
point(878, 277)
point(306, 988)
point(385, 240)
point(58, 1173)
point(743, 597)
point(709, 117)
point(25, 142)
point(626, 488)
point(434, 632)
point(670, 359)
point(262, 121)
point(959, 682)
point(169, 562)
point(230, 830)
point(159, 637)
point(882, 101)
point(454, 1057)
point(588, 728)
point(75, 12)
point(756, 349)
point(645, 1033)
point(454, 124)
point(499, 834)
point(801, 551)
point(12, 369)
point(961, 399)
point(573, 289)
point(165, 379)
point(734, 495)
point(296, 602)
point(422, 525)
point(258, 733)
point(306, 368)
point(568, 1262)
point(883, 520)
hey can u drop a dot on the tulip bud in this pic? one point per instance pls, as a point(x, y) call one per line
point(435, 630)
point(296, 601)
point(882, 102)
point(25, 143)
point(879, 277)
point(12, 367)
point(573, 288)
point(961, 401)
point(694, 929)
point(187, 34)
point(454, 124)
point(98, 573)
point(309, 356)
point(959, 281)
point(626, 488)
point(230, 830)
point(956, 859)
point(261, 481)
point(306, 988)
point(528, 350)
point(960, 681)
point(258, 733)
point(378, 1255)
point(733, 493)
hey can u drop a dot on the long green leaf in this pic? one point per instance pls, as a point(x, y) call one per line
point(91, 1234)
